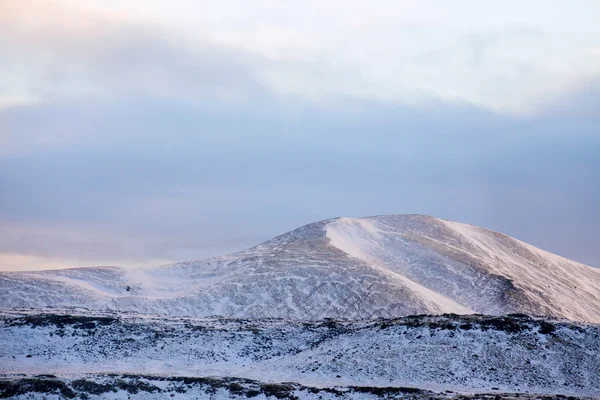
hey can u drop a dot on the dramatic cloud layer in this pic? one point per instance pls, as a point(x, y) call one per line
point(146, 132)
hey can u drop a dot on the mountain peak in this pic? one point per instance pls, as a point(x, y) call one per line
point(371, 267)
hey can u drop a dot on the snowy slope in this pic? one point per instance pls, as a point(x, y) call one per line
point(384, 266)
point(483, 270)
point(458, 353)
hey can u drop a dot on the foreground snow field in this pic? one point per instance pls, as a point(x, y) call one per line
point(357, 268)
point(438, 353)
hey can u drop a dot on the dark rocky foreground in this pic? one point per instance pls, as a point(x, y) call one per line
point(155, 387)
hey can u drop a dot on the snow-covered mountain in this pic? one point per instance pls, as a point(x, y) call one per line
point(384, 266)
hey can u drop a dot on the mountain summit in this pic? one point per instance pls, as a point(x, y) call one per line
point(384, 266)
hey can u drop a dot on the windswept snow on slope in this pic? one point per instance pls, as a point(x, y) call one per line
point(566, 287)
point(483, 270)
point(360, 238)
point(356, 237)
point(385, 266)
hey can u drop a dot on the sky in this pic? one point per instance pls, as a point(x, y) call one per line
point(147, 132)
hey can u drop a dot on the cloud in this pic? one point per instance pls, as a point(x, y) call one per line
point(389, 53)
point(157, 181)
point(56, 52)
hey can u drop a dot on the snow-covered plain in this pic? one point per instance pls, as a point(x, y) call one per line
point(386, 266)
point(451, 352)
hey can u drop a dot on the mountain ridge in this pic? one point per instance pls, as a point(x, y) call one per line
point(370, 267)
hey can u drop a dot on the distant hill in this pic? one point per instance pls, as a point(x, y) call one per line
point(352, 268)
